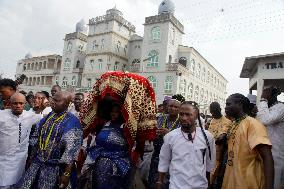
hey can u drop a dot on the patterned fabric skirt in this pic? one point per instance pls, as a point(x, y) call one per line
point(40, 176)
point(103, 175)
point(44, 176)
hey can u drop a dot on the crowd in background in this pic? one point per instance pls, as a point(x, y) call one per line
point(45, 143)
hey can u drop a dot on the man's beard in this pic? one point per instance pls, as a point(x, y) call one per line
point(186, 126)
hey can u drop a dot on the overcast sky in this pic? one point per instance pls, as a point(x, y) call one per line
point(223, 31)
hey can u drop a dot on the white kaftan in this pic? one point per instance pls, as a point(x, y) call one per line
point(273, 119)
point(14, 142)
point(187, 162)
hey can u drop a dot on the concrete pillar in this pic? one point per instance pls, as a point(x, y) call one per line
point(260, 83)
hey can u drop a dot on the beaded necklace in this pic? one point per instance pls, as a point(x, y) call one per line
point(232, 134)
point(173, 125)
point(44, 143)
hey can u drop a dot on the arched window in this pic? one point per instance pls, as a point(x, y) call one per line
point(156, 34)
point(67, 64)
point(103, 44)
point(116, 64)
point(100, 64)
point(24, 67)
point(56, 80)
point(118, 45)
point(193, 66)
point(40, 66)
point(208, 76)
point(80, 47)
point(170, 58)
point(78, 64)
point(74, 82)
point(92, 63)
point(169, 85)
point(183, 61)
point(190, 92)
point(173, 36)
point(202, 95)
point(69, 47)
point(125, 50)
point(32, 66)
point(196, 93)
point(34, 81)
point(198, 71)
point(89, 82)
point(64, 82)
point(153, 59)
point(212, 79)
point(153, 82)
point(203, 74)
point(95, 45)
point(206, 97)
point(38, 80)
point(182, 87)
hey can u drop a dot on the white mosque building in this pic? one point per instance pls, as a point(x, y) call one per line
point(110, 43)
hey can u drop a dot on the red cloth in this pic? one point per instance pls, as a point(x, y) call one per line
point(138, 107)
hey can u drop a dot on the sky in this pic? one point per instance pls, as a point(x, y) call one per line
point(223, 31)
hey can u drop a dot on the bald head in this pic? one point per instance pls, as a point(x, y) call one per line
point(61, 101)
point(67, 96)
point(18, 96)
point(18, 101)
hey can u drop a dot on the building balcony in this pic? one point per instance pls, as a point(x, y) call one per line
point(179, 68)
point(77, 70)
point(56, 72)
point(135, 68)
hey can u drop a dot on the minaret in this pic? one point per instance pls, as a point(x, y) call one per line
point(162, 36)
point(73, 57)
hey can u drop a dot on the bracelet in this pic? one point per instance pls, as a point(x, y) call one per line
point(159, 182)
point(66, 174)
point(263, 99)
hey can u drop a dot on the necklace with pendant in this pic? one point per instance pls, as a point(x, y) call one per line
point(231, 134)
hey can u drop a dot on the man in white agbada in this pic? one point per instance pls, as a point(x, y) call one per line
point(188, 152)
point(271, 114)
point(15, 126)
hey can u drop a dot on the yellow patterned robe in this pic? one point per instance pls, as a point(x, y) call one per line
point(247, 170)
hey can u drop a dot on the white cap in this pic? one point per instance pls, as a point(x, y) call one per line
point(252, 98)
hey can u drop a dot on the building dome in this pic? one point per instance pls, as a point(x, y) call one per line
point(166, 6)
point(28, 55)
point(81, 27)
point(114, 11)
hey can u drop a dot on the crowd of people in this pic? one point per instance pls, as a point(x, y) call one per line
point(116, 138)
